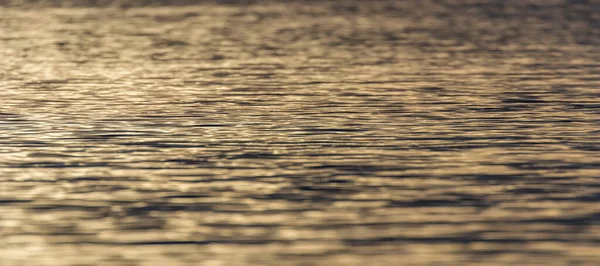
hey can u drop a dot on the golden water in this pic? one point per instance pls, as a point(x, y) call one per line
point(381, 133)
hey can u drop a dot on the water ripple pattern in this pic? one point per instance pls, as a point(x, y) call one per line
point(302, 133)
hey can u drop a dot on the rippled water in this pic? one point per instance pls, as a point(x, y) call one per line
point(362, 133)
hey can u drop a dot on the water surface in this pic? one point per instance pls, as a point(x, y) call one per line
point(362, 133)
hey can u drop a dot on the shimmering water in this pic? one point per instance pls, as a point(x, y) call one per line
point(346, 133)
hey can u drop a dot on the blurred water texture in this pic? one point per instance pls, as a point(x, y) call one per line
point(299, 133)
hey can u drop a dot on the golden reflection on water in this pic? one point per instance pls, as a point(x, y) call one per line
point(458, 134)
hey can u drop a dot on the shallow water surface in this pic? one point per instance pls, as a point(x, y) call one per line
point(379, 133)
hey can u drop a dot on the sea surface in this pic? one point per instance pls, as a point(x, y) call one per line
point(380, 133)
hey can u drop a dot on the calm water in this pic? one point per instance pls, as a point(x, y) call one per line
point(381, 133)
